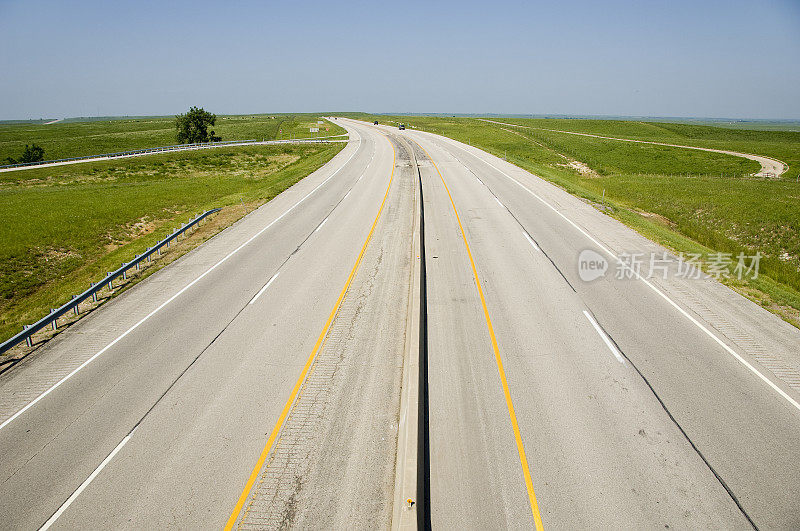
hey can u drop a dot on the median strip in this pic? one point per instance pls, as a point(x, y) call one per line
point(537, 517)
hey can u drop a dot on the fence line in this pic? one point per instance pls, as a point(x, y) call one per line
point(95, 287)
point(163, 149)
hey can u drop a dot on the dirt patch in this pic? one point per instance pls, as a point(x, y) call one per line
point(58, 255)
point(787, 313)
point(658, 218)
point(581, 168)
point(572, 164)
point(599, 206)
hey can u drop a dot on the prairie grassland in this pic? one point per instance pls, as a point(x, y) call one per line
point(75, 139)
point(65, 226)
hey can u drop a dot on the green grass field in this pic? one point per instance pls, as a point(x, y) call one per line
point(698, 209)
point(75, 139)
point(65, 226)
point(782, 145)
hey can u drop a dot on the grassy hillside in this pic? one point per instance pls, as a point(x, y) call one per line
point(74, 139)
point(702, 202)
point(65, 226)
point(782, 145)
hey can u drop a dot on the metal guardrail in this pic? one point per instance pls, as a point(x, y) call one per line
point(177, 147)
point(163, 149)
point(96, 287)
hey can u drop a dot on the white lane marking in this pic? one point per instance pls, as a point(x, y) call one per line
point(85, 484)
point(613, 348)
point(262, 290)
point(530, 240)
point(321, 224)
point(345, 195)
point(192, 283)
point(499, 203)
point(697, 323)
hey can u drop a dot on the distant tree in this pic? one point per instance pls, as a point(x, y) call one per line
point(32, 153)
point(193, 126)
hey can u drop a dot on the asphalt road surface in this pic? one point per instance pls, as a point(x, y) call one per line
point(256, 382)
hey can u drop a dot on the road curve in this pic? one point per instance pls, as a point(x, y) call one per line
point(256, 382)
point(769, 167)
point(641, 402)
point(163, 428)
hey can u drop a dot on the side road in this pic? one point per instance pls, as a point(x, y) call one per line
point(769, 167)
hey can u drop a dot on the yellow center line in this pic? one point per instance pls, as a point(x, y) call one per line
point(537, 517)
point(281, 419)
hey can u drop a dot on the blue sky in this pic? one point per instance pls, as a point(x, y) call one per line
point(737, 59)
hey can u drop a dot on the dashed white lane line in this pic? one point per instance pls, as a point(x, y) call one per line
point(611, 346)
point(321, 224)
point(499, 203)
point(179, 293)
point(663, 295)
point(262, 290)
point(85, 484)
point(530, 240)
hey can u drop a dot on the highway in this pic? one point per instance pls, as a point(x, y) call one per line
point(256, 382)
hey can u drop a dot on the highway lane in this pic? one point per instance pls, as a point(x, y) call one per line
point(580, 411)
point(182, 403)
point(256, 381)
point(602, 449)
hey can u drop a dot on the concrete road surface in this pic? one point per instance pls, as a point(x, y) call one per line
point(184, 402)
point(256, 382)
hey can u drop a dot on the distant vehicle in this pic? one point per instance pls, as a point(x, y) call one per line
point(402, 126)
point(375, 122)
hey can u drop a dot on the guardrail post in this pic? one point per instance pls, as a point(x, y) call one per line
point(28, 340)
point(55, 321)
point(75, 308)
point(159, 251)
point(94, 295)
point(149, 256)
point(110, 282)
point(135, 257)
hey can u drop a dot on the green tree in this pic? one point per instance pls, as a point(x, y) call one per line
point(32, 153)
point(193, 126)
